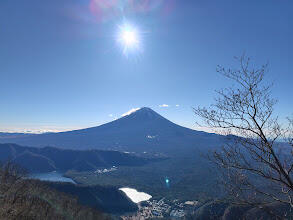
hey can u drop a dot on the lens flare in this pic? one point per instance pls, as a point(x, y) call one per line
point(167, 181)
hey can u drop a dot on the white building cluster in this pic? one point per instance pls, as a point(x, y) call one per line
point(106, 170)
point(162, 209)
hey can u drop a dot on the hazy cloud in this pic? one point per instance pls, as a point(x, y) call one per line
point(164, 106)
point(31, 131)
point(177, 105)
point(130, 111)
point(111, 115)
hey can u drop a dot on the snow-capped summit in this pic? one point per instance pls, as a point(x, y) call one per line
point(144, 113)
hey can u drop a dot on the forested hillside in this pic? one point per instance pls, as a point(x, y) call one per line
point(21, 198)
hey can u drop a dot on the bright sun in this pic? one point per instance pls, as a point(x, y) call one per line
point(129, 39)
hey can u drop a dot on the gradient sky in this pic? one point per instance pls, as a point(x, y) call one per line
point(61, 67)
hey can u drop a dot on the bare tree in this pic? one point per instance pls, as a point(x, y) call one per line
point(11, 174)
point(257, 160)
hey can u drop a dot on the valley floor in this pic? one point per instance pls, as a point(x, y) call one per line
point(188, 179)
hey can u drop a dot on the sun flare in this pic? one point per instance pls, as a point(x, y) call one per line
point(129, 38)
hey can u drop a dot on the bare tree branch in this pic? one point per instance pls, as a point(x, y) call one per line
point(256, 162)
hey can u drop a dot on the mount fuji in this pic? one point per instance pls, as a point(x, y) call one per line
point(141, 131)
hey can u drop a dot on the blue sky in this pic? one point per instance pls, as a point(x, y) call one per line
point(61, 67)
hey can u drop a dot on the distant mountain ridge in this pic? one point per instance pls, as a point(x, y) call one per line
point(13, 134)
point(142, 130)
point(49, 159)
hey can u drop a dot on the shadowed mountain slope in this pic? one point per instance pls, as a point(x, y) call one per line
point(108, 199)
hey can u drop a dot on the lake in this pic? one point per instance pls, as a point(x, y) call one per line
point(135, 196)
point(51, 176)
